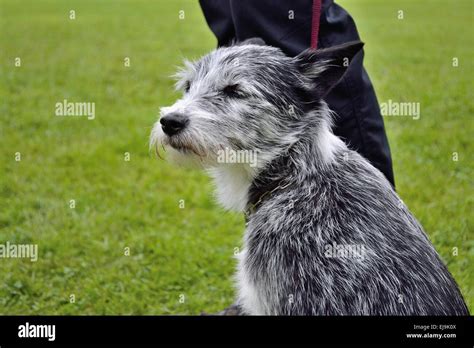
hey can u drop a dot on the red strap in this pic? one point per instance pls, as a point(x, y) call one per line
point(315, 23)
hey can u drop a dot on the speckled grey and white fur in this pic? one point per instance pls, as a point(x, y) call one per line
point(334, 195)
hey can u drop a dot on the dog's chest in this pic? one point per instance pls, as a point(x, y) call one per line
point(249, 294)
point(255, 274)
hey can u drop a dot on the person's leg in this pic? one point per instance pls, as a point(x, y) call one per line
point(219, 18)
point(359, 122)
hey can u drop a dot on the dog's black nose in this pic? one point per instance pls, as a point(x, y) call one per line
point(173, 123)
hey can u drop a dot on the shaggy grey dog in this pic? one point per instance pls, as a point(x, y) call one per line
point(326, 233)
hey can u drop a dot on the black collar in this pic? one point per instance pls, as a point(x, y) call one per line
point(259, 195)
point(273, 178)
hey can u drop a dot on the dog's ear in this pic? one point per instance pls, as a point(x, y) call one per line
point(252, 41)
point(325, 67)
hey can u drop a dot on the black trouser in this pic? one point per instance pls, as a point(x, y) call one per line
point(359, 122)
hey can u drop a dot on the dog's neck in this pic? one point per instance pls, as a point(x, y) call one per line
point(237, 185)
point(232, 183)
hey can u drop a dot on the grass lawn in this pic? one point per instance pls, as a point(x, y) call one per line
point(129, 246)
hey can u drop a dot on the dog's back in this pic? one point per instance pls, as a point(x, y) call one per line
point(345, 244)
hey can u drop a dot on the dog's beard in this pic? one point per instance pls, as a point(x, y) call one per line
point(183, 149)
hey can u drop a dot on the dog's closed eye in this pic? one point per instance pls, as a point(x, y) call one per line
point(233, 91)
point(187, 86)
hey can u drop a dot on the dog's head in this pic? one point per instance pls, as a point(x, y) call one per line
point(247, 97)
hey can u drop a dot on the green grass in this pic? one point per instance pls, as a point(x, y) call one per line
point(135, 204)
